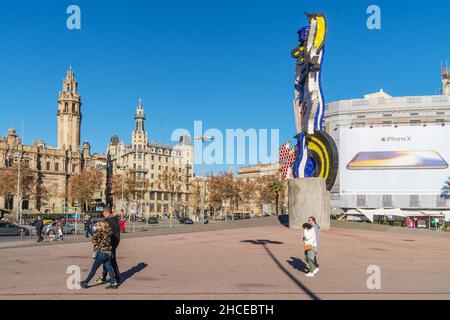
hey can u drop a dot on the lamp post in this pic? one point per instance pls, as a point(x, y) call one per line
point(18, 210)
point(121, 182)
point(203, 139)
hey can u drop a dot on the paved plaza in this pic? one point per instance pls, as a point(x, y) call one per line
point(259, 262)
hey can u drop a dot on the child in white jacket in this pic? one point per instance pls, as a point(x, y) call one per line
point(309, 237)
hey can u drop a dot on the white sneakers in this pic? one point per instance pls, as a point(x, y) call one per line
point(312, 274)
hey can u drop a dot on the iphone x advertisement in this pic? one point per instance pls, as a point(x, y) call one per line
point(390, 160)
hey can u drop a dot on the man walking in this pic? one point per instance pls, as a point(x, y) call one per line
point(88, 227)
point(39, 227)
point(113, 222)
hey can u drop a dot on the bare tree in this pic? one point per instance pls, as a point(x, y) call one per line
point(83, 185)
point(7, 185)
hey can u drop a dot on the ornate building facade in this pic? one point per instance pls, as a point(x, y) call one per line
point(166, 172)
point(52, 166)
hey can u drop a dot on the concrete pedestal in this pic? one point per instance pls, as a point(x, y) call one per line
point(308, 197)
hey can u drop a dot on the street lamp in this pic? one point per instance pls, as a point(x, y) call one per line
point(124, 168)
point(19, 211)
point(203, 139)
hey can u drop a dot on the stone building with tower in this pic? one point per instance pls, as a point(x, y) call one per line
point(166, 171)
point(53, 165)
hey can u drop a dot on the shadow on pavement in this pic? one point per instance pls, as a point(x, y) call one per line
point(298, 264)
point(284, 220)
point(124, 276)
point(282, 268)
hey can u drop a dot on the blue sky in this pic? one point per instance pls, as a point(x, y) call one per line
point(226, 63)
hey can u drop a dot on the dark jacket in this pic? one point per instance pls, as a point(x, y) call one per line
point(39, 225)
point(113, 223)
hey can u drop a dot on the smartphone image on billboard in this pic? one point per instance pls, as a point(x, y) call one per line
point(385, 160)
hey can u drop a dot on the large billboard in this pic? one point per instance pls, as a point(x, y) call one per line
point(413, 160)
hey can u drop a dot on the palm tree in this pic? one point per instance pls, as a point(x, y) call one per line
point(276, 186)
point(445, 191)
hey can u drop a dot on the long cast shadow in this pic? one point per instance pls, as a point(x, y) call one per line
point(281, 267)
point(124, 276)
point(284, 220)
point(298, 264)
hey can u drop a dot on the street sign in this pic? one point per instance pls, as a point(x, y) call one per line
point(133, 207)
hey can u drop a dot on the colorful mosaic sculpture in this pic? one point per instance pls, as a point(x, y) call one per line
point(315, 153)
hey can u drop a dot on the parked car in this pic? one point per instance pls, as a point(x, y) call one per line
point(184, 220)
point(153, 220)
point(50, 228)
point(11, 229)
point(141, 219)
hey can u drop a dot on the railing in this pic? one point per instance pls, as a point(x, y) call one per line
point(429, 101)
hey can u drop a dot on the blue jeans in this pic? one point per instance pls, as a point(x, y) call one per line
point(101, 259)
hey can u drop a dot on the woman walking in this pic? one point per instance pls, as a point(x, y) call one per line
point(102, 255)
point(309, 237)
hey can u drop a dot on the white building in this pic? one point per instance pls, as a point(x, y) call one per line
point(382, 110)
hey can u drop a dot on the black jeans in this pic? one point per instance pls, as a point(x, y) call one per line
point(101, 259)
point(89, 231)
point(113, 264)
point(39, 234)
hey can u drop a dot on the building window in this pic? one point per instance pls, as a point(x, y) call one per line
point(166, 196)
point(159, 196)
point(66, 107)
point(414, 122)
point(414, 201)
point(74, 168)
point(441, 202)
point(47, 166)
point(361, 200)
point(387, 201)
point(152, 207)
point(153, 158)
point(158, 208)
point(56, 166)
point(73, 108)
point(440, 120)
point(387, 123)
point(25, 204)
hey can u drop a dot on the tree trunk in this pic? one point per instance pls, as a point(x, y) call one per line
point(276, 203)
